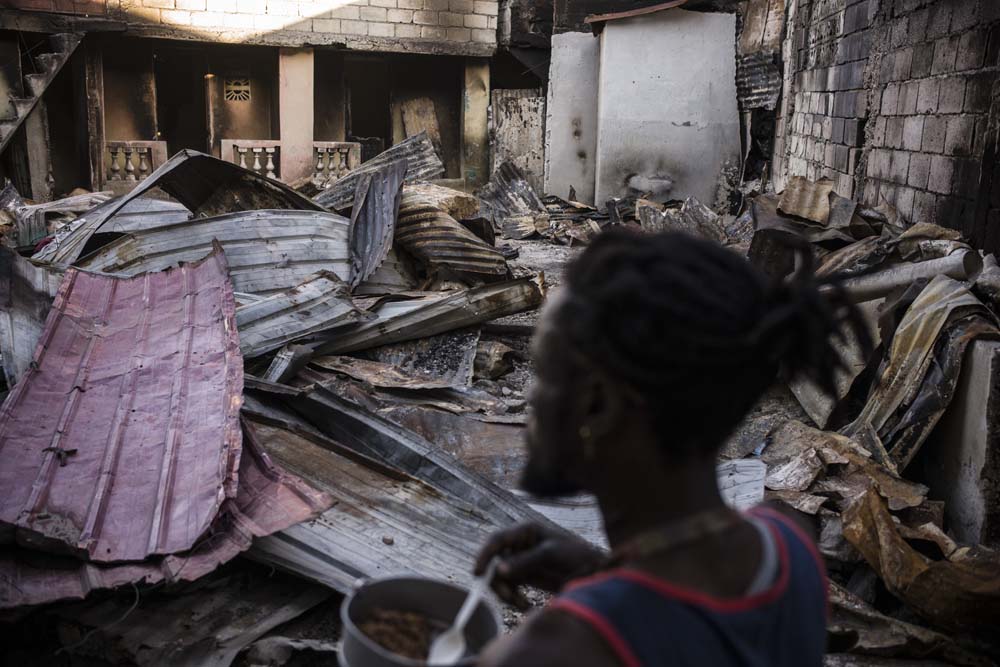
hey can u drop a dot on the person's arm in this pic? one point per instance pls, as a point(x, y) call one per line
point(551, 638)
point(537, 556)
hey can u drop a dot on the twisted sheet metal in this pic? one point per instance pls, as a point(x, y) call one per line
point(418, 153)
point(434, 313)
point(268, 251)
point(373, 219)
point(122, 440)
point(443, 245)
point(205, 185)
point(322, 302)
point(26, 293)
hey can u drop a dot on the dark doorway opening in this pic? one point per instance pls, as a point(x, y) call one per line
point(180, 98)
point(369, 117)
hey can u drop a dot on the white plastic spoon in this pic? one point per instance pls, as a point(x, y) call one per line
point(448, 648)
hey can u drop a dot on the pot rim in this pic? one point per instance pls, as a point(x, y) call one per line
point(348, 623)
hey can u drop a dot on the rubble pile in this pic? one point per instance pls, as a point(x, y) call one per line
point(215, 378)
point(902, 584)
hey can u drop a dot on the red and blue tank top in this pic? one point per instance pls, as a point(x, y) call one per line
point(649, 622)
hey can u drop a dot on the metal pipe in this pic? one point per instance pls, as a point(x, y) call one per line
point(962, 265)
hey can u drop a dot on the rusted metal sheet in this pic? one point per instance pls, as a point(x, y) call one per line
point(322, 302)
point(518, 131)
point(418, 153)
point(122, 441)
point(896, 411)
point(758, 53)
point(205, 624)
point(26, 293)
point(807, 199)
point(373, 219)
point(205, 185)
point(267, 251)
point(597, 21)
point(435, 313)
point(509, 194)
point(268, 500)
point(959, 592)
point(455, 203)
point(447, 248)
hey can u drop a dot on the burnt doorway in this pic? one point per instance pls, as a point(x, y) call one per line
point(180, 98)
point(369, 113)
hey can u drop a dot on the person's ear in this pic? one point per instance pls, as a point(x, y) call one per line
point(604, 406)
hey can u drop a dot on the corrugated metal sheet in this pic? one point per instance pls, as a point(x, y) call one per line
point(395, 274)
point(267, 251)
point(758, 81)
point(199, 625)
point(422, 164)
point(373, 219)
point(445, 246)
point(322, 302)
point(509, 195)
point(205, 185)
point(123, 441)
point(32, 220)
point(26, 293)
point(436, 313)
point(268, 500)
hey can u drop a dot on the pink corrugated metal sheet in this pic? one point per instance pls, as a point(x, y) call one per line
point(123, 439)
point(268, 500)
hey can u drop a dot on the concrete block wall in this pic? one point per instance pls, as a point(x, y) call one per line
point(459, 27)
point(891, 99)
point(830, 45)
point(931, 110)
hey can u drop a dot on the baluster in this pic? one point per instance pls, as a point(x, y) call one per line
point(270, 163)
point(143, 164)
point(129, 167)
point(242, 153)
point(116, 170)
point(341, 162)
point(256, 160)
point(318, 170)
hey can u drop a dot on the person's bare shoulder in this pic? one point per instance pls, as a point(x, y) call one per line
point(551, 637)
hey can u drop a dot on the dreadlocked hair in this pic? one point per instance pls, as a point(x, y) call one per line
point(698, 331)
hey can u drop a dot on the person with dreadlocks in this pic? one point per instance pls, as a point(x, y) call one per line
point(648, 357)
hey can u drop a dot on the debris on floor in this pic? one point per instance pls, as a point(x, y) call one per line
point(229, 402)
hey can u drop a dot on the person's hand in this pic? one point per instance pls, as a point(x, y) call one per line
point(533, 555)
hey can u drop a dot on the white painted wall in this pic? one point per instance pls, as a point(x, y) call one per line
point(571, 116)
point(667, 112)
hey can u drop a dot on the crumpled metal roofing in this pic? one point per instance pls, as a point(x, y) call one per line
point(418, 153)
point(373, 219)
point(31, 220)
point(268, 500)
point(205, 185)
point(895, 405)
point(26, 293)
point(509, 194)
point(196, 625)
point(444, 245)
point(122, 440)
point(435, 313)
point(322, 302)
point(267, 251)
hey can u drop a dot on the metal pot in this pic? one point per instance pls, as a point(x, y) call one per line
point(437, 600)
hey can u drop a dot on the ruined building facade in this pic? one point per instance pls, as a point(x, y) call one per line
point(102, 91)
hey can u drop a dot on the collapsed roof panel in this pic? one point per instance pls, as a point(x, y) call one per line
point(418, 153)
point(322, 302)
point(380, 525)
point(435, 313)
point(267, 251)
point(373, 219)
point(26, 293)
point(268, 500)
point(122, 440)
point(203, 184)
